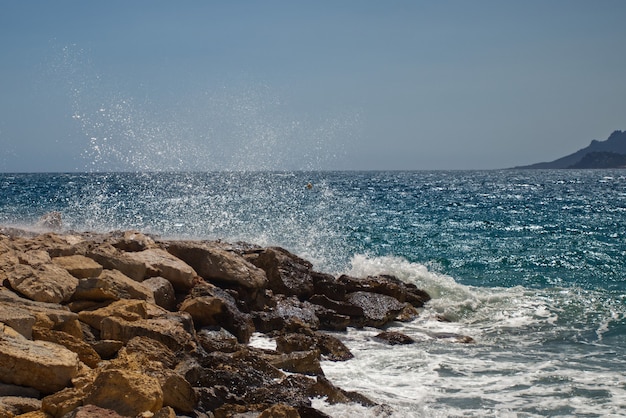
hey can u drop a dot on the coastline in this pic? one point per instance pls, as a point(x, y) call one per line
point(140, 326)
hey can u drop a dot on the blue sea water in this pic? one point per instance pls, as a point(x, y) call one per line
point(530, 264)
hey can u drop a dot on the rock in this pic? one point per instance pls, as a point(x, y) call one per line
point(386, 285)
point(162, 292)
point(217, 340)
point(342, 308)
point(327, 285)
point(126, 392)
point(111, 285)
point(85, 352)
point(289, 313)
point(287, 274)
point(34, 258)
point(16, 405)
point(280, 411)
point(394, 338)
point(217, 265)
point(19, 319)
point(134, 241)
point(329, 346)
point(21, 391)
point(165, 412)
point(130, 310)
point(43, 283)
point(92, 411)
point(159, 262)
point(79, 266)
point(456, 338)
point(378, 309)
point(41, 365)
point(171, 330)
point(113, 259)
point(62, 402)
point(229, 316)
point(205, 310)
point(306, 362)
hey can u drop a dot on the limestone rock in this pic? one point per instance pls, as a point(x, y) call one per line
point(216, 264)
point(287, 274)
point(159, 262)
point(126, 392)
point(79, 266)
point(130, 310)
point(41, 365)
point(19, 319)
point(394, 338)
point(280, 411)
point(111, 285)
point(17, 405)
point(172, 331)
point(134, 241)
point(162, 292)
point(85, 352)
point(92, 411)
point(43, 283)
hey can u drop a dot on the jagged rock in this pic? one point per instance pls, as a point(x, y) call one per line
point(130, 310)
point(19, 319)
point(394, 338)
point(166, 412)
point(289, 313)
point(34, 258)
point(327, 285)
point(79, 266)
point(111, 285)
point(218, 265)
point(306, 362)
point(287, 273)
point(159, 262)
point(85, 352)
point(113, 259)
point(217, 340)
point(92, 411)
point(378, 309)
point(11, 406)
point(280, 411)
point(63, 402)
point(229, 316)
point(342, 308)
point(41, 365)
point(126, 392)
point(49, 315)
point(386, 285)
point(205, 310)
point(42, 283)
point(162, 292)
point(329, 346)
point(171, 330)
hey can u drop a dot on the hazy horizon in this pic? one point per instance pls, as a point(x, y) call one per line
point(277, 85)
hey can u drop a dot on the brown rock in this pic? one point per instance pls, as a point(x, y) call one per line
point(19, 319)
point(217, 340)
point(172, 330)
point(85, 352)
point(79, 266)
point(280, 411)
point(162, 292)
point(394, 338)
point(111, 285)
point(159, 262)
point(306, 362)
point(17, 405)
point(41, 365)
point(92, 411)
point(287, 273)
point(134, 241)
point(62, 402)
point(387, 285)
point(205, 310)
point(43, 283)
point(216, 264)
point(378, 309)
point(126, 392)
point(289, 313)
point(113, 259)
point(34, 258)
point(329, 346)
point(130, 310)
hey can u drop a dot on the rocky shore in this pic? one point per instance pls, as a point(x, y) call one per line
point(125, 324)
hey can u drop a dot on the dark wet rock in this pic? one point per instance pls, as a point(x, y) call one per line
point(378, 309)
point(288, 313)
point(217, 339)
point(287, 273)
point(330, 347)
point(394, 338)
point(342, 308)
point(387, 285)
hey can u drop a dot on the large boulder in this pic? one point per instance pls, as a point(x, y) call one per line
point(218, 265)
point(79, 266)
point(42, 283)
point(378, 309)
point(288, 313)
point(386, 285)
point(111, 285)
point(17, 318)
point(44, 366)
point(159, 262)
point(287, 273)
point(162, 292)
point(126, 392)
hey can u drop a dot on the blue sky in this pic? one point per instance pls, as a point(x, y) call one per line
point(365, 85)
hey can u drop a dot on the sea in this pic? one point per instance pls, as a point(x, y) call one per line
point(530, 264)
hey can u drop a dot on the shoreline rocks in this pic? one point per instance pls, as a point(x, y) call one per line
point(123, 324)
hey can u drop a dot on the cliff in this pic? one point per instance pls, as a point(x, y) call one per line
point(596, 155)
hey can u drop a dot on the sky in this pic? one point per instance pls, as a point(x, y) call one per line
point(306, 85)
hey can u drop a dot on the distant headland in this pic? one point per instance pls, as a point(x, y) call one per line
point(599, 154)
